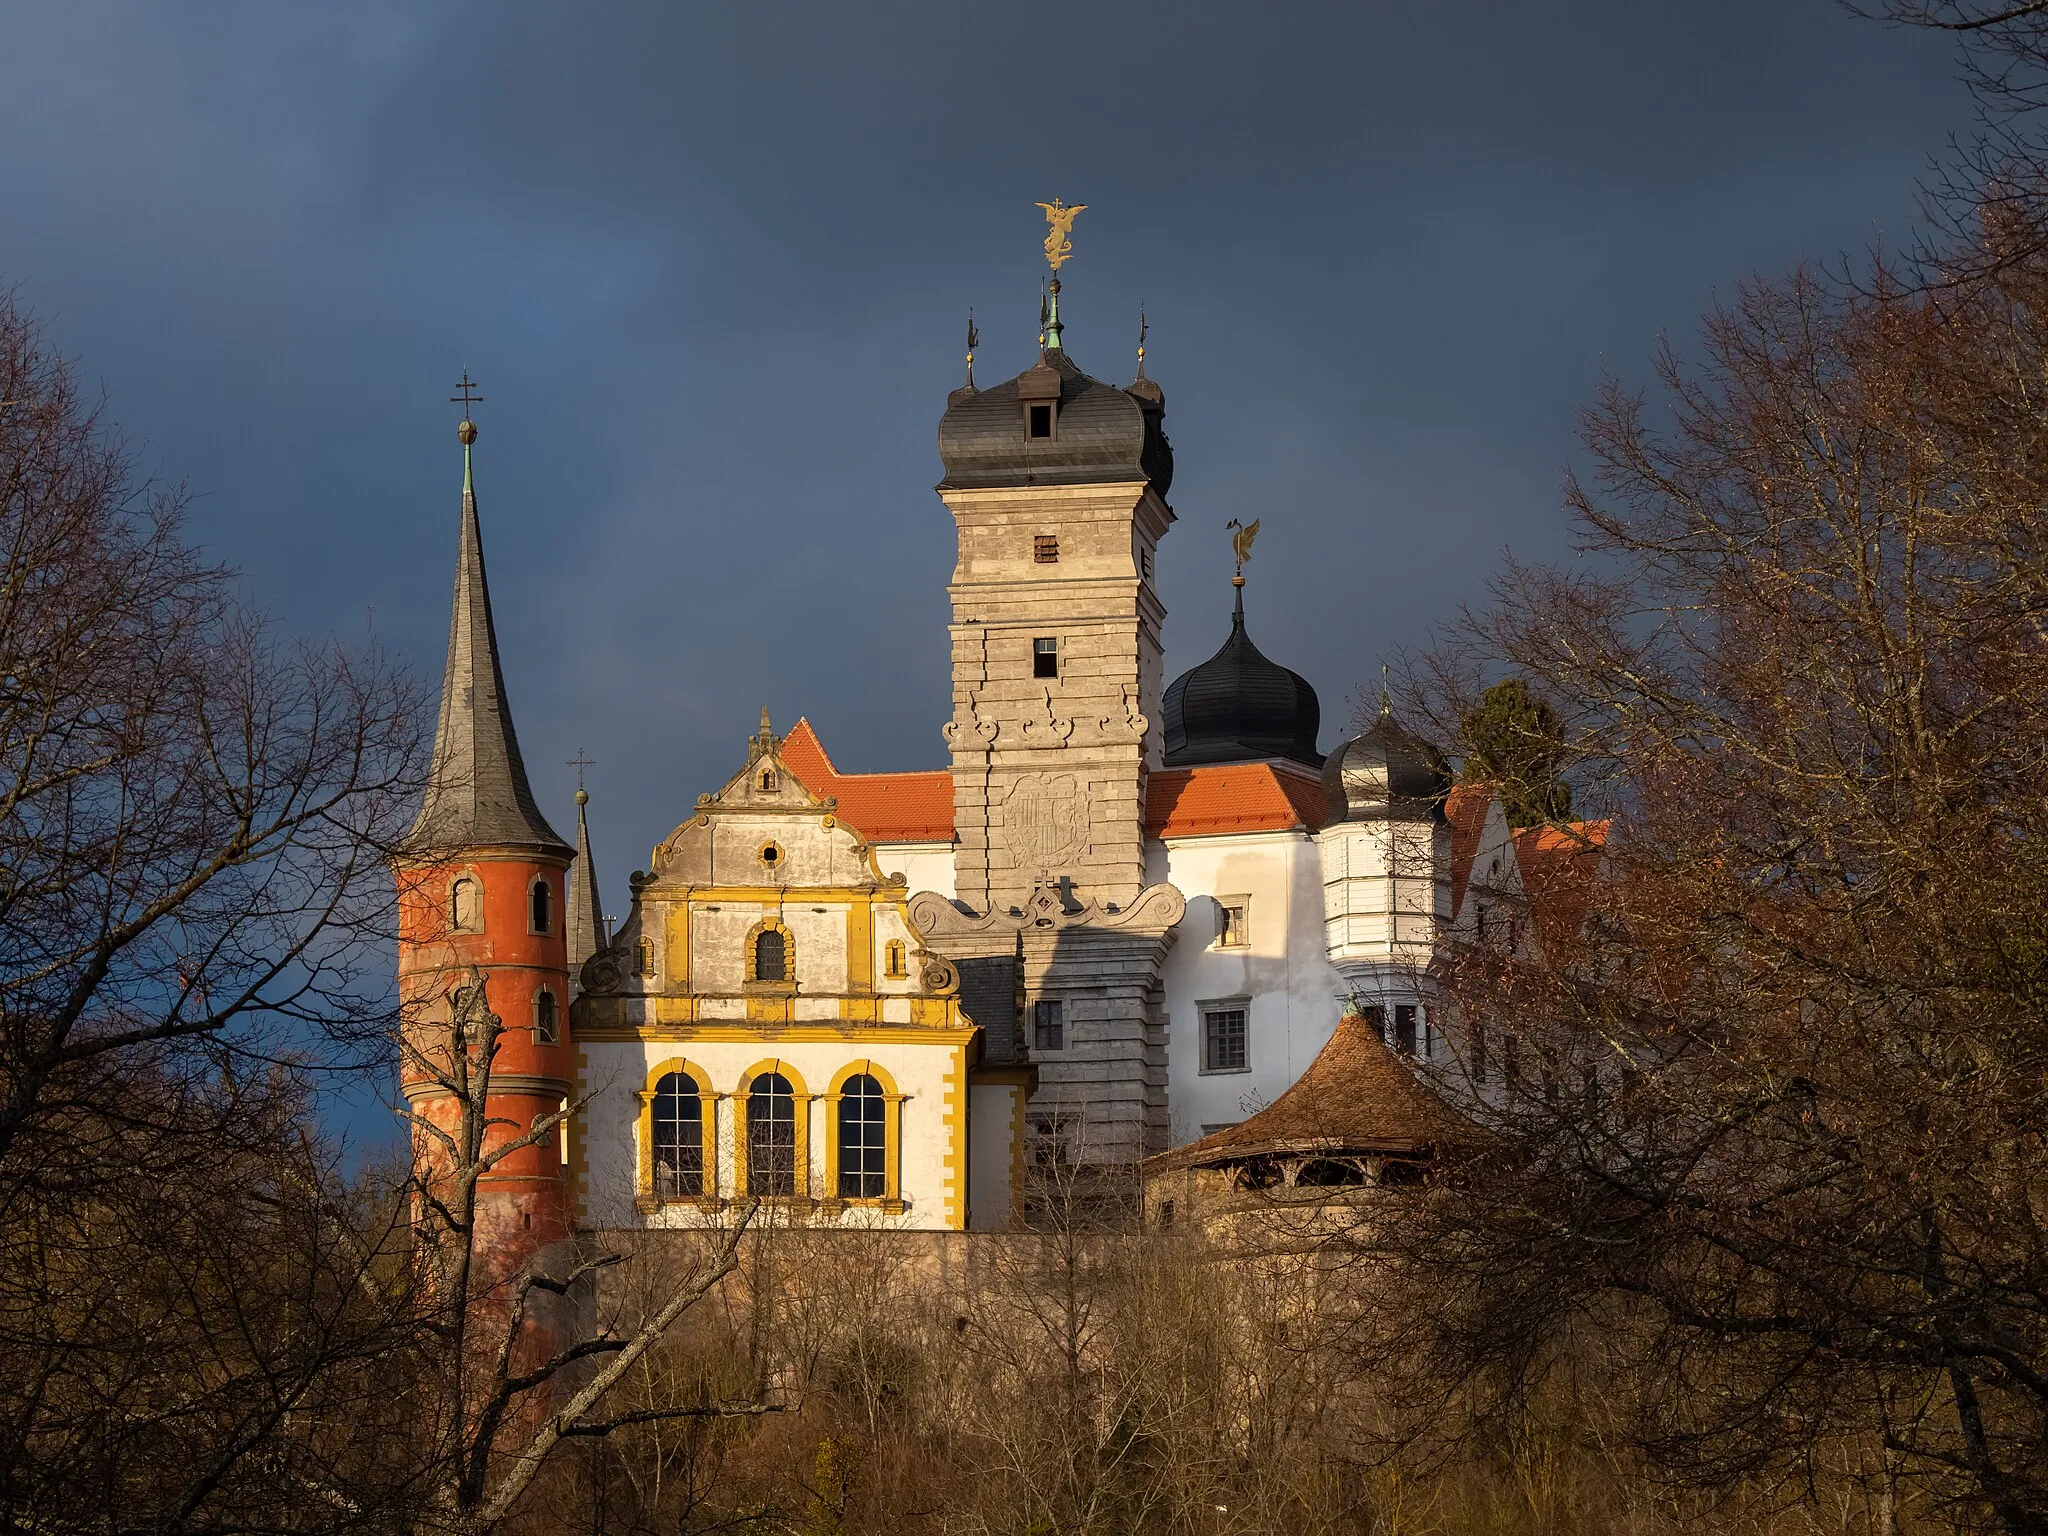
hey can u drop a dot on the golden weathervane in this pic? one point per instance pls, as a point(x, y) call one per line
point(1241, 545)
point(1061, 219)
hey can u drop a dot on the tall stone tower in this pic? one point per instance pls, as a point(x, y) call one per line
point(1057, 484)
point(480, 881)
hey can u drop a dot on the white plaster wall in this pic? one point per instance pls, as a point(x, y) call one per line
point(617, 1071)
point(926, 866)
point(1284, 970)
point(991, 1130)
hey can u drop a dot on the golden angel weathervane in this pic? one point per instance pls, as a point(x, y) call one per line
point(1061, 219)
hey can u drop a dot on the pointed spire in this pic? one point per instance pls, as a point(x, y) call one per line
point(586, 933)
point(477, 794)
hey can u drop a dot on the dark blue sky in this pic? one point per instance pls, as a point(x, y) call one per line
point(711, 265)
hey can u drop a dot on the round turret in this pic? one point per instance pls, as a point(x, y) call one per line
point(1239, 707)
point(1385, 774)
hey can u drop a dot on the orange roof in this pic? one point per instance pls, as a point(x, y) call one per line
point(1558, 868)
point(882, 807)
point(1231, 797)
point(1465, 809)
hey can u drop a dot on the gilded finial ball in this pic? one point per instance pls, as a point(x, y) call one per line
point(467, 431)
point(583, 797)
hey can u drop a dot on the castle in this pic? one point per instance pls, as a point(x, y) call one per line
point(1127, 916)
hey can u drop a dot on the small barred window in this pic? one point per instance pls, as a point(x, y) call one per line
point(1045, 549)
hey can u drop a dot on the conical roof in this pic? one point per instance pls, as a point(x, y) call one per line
point(585, 934)
point(1356, 1096)
point(1385, 774)
point(477, 794)
point(1239, 707)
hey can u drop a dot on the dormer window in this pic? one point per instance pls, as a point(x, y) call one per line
point(1040, 421)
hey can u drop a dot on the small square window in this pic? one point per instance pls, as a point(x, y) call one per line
point(1045, 657)
point(1233, 924)
point(1045, 549)
point(1224, 1044)
point(1040, 421)
point(1048, 1026)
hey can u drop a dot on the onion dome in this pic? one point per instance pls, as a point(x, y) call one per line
point(1094, 433)
point(1238, 707)
point(1385, 774)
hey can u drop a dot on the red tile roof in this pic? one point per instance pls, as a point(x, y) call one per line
point(1231, 797)
point(1465, 809)
point(882, 807)
point(1559, 865)
point(1357, 1096)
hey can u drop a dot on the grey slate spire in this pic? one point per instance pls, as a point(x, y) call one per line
point(586, 913)
point(478, 795)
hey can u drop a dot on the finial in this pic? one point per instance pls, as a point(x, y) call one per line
point(580, 762)
point(1052, 316)
point(582, 798)
point(1044, 314)
point(1241, 545)
point(1386, 698)
point(466, 433)
point(973, 341)
point(764, 739)
point(1141, 338)
point(1060, 219)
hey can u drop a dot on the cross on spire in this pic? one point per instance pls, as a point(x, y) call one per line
point(468, 395)
point(580, 762)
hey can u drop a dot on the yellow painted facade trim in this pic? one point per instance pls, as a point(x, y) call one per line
point(810, 1032)
point(860, 946)
point(892, 1135)
point(956, 1139)
point(742, 1169)
point(707, 1103)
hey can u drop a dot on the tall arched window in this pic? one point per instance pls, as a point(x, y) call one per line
point(771, 956)
point(546, 1023)
point(863, 1139)
point(466, 906)
point(541, 904)
point(678, 1137)
point(771, 1135)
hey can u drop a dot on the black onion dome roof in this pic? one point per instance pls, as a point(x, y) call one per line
point(1385, 774)
point(1103, 434)
point(1238, 707)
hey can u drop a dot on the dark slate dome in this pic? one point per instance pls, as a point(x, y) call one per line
point(1385, 775)
point(1103, 433)
point(1238, 707)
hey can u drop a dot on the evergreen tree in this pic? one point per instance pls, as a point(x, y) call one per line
point(1514, 741)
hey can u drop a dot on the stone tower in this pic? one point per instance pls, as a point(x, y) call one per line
point(480, 882)
point(1057, 484)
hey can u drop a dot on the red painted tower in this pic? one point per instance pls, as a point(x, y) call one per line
point(481, 896)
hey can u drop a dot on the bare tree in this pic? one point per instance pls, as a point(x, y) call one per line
point(513, 1377)
point(1773, 1169)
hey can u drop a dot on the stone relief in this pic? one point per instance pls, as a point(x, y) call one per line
point(1045, 819)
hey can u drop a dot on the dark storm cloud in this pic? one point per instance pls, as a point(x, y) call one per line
point(712, 265)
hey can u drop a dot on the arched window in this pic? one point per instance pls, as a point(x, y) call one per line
point(541, 903)
point(863, 1139)
point(892, 959)
point(771, 956)
point(768, 779)
point(466, 906)
point(546, 1025)
point(646, 957)
point(678, 1137)
point(771, 1136)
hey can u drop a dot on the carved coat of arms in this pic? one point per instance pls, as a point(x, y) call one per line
point(1046, 816)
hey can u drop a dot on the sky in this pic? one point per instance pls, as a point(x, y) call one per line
point(711, 266)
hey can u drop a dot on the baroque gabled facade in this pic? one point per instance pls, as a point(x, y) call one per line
point(1125, 916)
